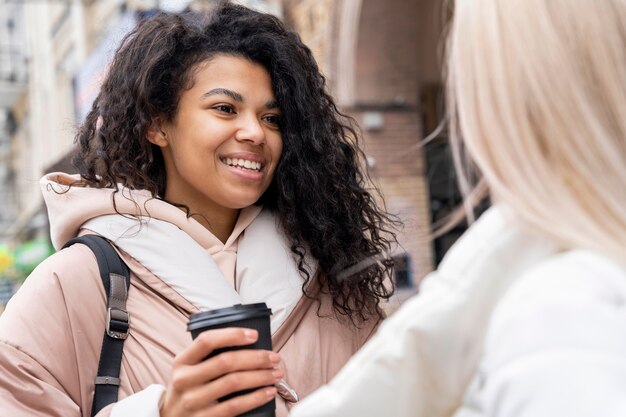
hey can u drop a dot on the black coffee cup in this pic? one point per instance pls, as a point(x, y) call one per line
point(252, 316)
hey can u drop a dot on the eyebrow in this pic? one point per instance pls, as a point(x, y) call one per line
point(270, 105)
point(225, 92)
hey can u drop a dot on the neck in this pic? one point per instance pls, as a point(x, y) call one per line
point(220, 224)
point(220, 221)
point(217, 219)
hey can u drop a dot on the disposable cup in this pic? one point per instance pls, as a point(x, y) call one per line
point(252, 316)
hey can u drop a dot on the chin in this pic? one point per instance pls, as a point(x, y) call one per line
point(239, 197)
point(243, 203)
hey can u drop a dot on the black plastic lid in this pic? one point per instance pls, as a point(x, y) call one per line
point(207, 319)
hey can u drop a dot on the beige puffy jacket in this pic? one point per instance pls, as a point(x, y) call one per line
point(51, 332)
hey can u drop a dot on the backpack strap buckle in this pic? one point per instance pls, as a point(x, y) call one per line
point(118, 319)
point(118, 323)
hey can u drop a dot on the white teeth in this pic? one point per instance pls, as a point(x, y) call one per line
point(243, 163)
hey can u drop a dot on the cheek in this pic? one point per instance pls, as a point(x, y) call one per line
point(278, 149)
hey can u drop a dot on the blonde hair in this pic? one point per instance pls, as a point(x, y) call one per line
point(537, 90)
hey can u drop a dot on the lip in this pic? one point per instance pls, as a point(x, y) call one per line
point(249, 175)
point(250, 156)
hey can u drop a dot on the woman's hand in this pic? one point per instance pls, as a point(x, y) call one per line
point(196, 383)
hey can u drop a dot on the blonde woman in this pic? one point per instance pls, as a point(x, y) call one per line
point(527, 314)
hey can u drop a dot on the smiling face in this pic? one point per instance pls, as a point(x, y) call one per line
point(223, 145)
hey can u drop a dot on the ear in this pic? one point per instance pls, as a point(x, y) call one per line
point(156, 134)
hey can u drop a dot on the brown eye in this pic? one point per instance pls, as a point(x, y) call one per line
point(272, 119)
point(225, 108)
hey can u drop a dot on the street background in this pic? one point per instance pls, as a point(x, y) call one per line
point(381, 59)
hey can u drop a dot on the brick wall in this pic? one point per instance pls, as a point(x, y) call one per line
point(398, 169)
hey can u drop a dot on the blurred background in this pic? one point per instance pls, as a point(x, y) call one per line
point(381, 59)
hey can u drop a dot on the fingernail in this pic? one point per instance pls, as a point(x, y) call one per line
point(250, 334)
point(270, 392)
point(274, 357)
point(277, 374)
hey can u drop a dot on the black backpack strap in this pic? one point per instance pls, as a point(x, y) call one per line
point(116, 279)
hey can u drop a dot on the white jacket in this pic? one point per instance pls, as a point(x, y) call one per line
point(508, 326)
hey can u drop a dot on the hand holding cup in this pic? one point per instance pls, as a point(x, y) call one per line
point(197, 383)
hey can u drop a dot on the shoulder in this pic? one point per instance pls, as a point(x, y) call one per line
point(315, 324)
point(70, 269)
point(573, 300)
point(64, 281)
point(494, 252)
point(566, 278)
point(74, 266)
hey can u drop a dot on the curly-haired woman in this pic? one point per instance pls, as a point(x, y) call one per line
point(223, 173)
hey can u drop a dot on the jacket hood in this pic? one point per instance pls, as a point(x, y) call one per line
point(70, 205)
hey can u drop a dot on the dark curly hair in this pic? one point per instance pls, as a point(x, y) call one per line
point(319, 189)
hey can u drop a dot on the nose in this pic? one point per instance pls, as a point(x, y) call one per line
point(250, 130)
